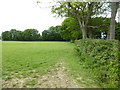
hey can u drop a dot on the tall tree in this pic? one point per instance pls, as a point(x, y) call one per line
point(52, 34)
point(31, 35)
point(13, 34)
point(6, 36)
point(82, 11)
point(114, 7)
point(70, 29)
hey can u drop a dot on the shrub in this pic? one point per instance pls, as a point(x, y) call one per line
point(101, 58)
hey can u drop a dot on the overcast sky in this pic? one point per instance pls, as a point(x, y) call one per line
point(24, 14)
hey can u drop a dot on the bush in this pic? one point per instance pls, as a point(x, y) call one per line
point(101, 58)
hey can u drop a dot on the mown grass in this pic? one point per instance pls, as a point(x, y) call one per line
point(81, 75)
point(30, 59)
point(24, 56)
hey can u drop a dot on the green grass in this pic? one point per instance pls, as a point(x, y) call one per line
point(23, 56)
point(0, 65)
point(27, 59)
point(31, 82)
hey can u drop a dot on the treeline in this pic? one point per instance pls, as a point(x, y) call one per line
point(16, 35)
point(51, 34)
point(69, 30)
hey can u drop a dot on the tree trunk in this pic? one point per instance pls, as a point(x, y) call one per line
point(84, 34)
point(83, 28)
point(90, 33)
point(111, 33)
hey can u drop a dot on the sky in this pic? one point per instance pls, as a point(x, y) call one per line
point(26, 14)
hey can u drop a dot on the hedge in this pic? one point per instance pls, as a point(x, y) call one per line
point(101, 57)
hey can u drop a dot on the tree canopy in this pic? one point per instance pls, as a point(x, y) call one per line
point(82, 11)
point(70, 29)
point(52, 34)
point(16, 35)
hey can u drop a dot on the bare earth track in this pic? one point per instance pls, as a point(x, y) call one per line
point(56, 78)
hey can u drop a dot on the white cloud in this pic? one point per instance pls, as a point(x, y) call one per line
point(24, 14)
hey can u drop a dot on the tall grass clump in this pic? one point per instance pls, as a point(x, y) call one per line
point(100, 57)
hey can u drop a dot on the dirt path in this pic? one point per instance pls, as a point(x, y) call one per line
point(56, 78)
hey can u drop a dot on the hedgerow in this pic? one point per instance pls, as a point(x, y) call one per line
point(100, 57)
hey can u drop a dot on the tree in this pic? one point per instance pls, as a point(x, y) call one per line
point(98, 25)
point(52, 34)
point(45, 35)
point(31, 35)
point(70, 29)
point(6, 36)
point(13, 33)
point(82, 11)
point(19, 36)
point(16, 35)
point(114, 7)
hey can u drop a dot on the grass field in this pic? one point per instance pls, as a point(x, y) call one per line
point(24, 64)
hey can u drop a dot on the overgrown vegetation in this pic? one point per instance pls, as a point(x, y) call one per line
point(101, 58)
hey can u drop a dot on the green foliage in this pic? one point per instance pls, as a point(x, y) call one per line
point(52, 34)
point(6, 36)
point(31, 35)
point(101, 58)
point(70, 29)
point(12, 35)
point(82, 11)
point(72, 9)
point(16, 35)
point(98, 25)
point(117, 31)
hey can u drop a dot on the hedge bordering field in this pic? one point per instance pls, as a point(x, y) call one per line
point(101, 58)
